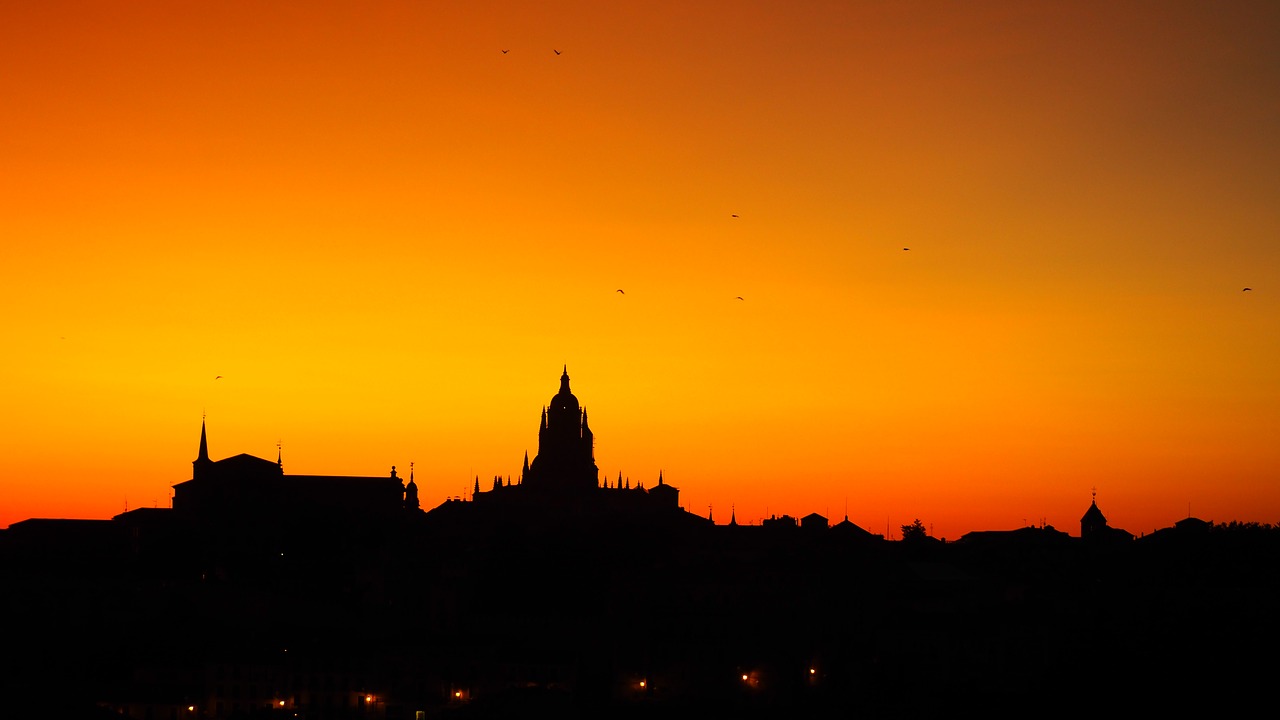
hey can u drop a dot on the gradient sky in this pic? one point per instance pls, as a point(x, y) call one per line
point(387, 237)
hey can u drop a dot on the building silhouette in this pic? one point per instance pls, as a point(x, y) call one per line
point(564, 480)
point(1094, 527)
point(247, 485)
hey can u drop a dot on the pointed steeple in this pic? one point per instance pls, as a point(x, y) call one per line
point(733, 516)
point(476, 490)
point(525, 470)
point(202, 464)
point(280, 455)
point(203, 456)
point(660, 477)
point(564, 381)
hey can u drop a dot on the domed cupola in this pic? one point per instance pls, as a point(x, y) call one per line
point(564, 400)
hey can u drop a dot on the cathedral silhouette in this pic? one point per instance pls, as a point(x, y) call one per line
point(563, 476)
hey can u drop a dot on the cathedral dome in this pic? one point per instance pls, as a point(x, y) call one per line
point(564, 400)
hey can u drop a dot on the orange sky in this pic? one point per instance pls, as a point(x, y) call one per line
point(387, 236)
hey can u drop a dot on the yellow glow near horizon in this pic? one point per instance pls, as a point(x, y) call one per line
point(387, 237)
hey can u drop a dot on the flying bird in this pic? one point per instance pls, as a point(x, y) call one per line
point(906, 249)
point(555, 51)
point(218, 378)
point(504, 52)
point(1247, 290)
point(733, 216)
point(739, 297)
point(620, 290)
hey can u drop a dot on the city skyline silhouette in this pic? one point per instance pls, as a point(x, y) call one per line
point(923, 355)
point(262, 593)
point(557, 468)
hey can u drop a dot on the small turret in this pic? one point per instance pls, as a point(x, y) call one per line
point(411, 492)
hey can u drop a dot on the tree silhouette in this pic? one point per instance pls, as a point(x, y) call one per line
point(915, 531)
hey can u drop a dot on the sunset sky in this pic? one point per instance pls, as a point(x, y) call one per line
point(388, 236)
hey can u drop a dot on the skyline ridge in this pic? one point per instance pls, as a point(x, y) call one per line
point(569, 416)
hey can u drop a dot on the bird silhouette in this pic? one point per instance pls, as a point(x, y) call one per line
point(620, 290)
point(556, 51)
point(1247, 290)
point(906, 248)
point(504, 52)
point(218, 378)
point(733, 216)
point(739, 297)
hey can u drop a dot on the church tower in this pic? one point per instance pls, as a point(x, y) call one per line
point(566, 461)
point(201, 465)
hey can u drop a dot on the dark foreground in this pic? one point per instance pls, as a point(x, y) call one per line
point(450, 616)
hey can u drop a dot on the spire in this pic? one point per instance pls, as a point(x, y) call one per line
point(204, 444)
point(411, 492)
point(525, 470)
point(564, 381)
point(543, 424)
point(659, 477)
point(711, 514)
point(280, 455)
point(476, 490)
